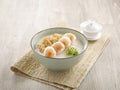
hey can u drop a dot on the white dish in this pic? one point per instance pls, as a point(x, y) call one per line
point(91, 29)
point(92, 38)
point(59, 64)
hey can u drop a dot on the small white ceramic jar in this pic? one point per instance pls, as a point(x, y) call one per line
point(91, 29)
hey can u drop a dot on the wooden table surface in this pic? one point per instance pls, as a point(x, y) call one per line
point(21, 19)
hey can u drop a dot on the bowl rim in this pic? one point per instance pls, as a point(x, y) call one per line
point(84, 49)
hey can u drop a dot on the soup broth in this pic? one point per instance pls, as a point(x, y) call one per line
point(76, 44)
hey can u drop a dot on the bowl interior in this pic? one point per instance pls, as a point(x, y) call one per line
point(37, 37)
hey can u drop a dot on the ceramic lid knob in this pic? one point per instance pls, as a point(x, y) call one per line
point(91, 29)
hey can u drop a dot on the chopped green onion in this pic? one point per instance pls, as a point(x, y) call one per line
point(71, 51)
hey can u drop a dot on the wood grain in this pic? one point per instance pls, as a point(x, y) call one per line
point(21, 19)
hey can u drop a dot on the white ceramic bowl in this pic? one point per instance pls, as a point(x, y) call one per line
point(58, 64)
